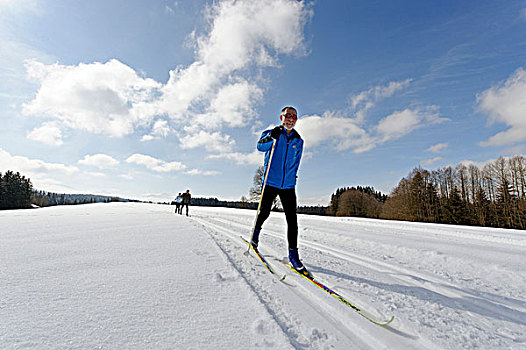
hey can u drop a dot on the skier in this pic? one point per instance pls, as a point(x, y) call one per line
point(186, 201)
point(281, 179)
point(178, 203)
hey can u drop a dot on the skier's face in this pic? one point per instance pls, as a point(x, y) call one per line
point(289, 118)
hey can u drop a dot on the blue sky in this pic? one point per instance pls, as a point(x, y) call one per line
point(144, 99)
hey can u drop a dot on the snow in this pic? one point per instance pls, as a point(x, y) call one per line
point(137, 276)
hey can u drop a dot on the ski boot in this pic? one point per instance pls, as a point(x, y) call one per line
point(294, 259)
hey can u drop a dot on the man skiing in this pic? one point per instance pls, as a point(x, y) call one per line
point(281, 179)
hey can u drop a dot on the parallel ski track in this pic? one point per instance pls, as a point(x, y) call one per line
point(411, 277)
point(329, 310)
point(408, 277)
point(232, 225)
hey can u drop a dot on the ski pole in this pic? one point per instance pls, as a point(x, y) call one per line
point(262, 191)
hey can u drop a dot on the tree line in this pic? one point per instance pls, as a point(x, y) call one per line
point(47, 199)
point(214, 202)
point(493, 195)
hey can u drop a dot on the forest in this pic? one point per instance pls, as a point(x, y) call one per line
point(492, 195)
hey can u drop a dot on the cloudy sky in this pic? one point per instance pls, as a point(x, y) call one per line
point(144, 99)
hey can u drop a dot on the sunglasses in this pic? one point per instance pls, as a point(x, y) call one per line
point(290, 116)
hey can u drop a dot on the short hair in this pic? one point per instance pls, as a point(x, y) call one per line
point(288, 107)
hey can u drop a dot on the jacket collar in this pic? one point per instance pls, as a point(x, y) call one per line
point(293, 134)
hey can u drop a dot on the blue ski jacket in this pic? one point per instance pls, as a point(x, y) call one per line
point(286, 158)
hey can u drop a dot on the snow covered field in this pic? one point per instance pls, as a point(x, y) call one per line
point(137, 276)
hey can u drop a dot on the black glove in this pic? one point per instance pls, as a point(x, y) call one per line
point(276, 132)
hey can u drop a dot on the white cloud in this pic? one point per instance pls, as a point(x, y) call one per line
point(243, 34)
point(155, 164)
point(100, 161)
point(342, 133)
point(159, 130)
point(105, 98)
point(437, 148)
point(32, 167)
point(398, 124)
point(428, 162)
point(232, 105)
point(506, 103)
point(147, 138)
point(213, 142)
point(347, 133)
point(244, 31)
point(169, 166)
point(254, 158)
point(361, 103)
point(203, 172)
point(401, 123)
point(48, 133)
point(219, 89)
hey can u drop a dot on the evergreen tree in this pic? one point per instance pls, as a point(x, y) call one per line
point(333, 205)
point(503, 203)
point(15, 191)
point(432, 209)
point(455, 212)
point(482, 208)
point(418, 194)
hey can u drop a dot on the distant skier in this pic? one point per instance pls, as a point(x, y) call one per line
point(186, 201)
point(178, 203)
point(281, 179)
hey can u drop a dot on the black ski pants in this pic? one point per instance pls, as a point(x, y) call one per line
point(288, 200)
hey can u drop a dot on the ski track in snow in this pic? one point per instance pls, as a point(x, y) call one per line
point(278, 297)
point(136, 276)
point(417, 289)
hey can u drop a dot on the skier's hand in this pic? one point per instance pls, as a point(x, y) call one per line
point(275, 132)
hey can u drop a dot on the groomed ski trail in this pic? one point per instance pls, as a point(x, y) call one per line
point(439, 287)
point(440, 281)
point(309, 316)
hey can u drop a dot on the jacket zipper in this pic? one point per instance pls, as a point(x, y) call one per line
point(285, 162)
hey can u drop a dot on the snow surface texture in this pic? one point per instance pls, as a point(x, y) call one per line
point(137, 276)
